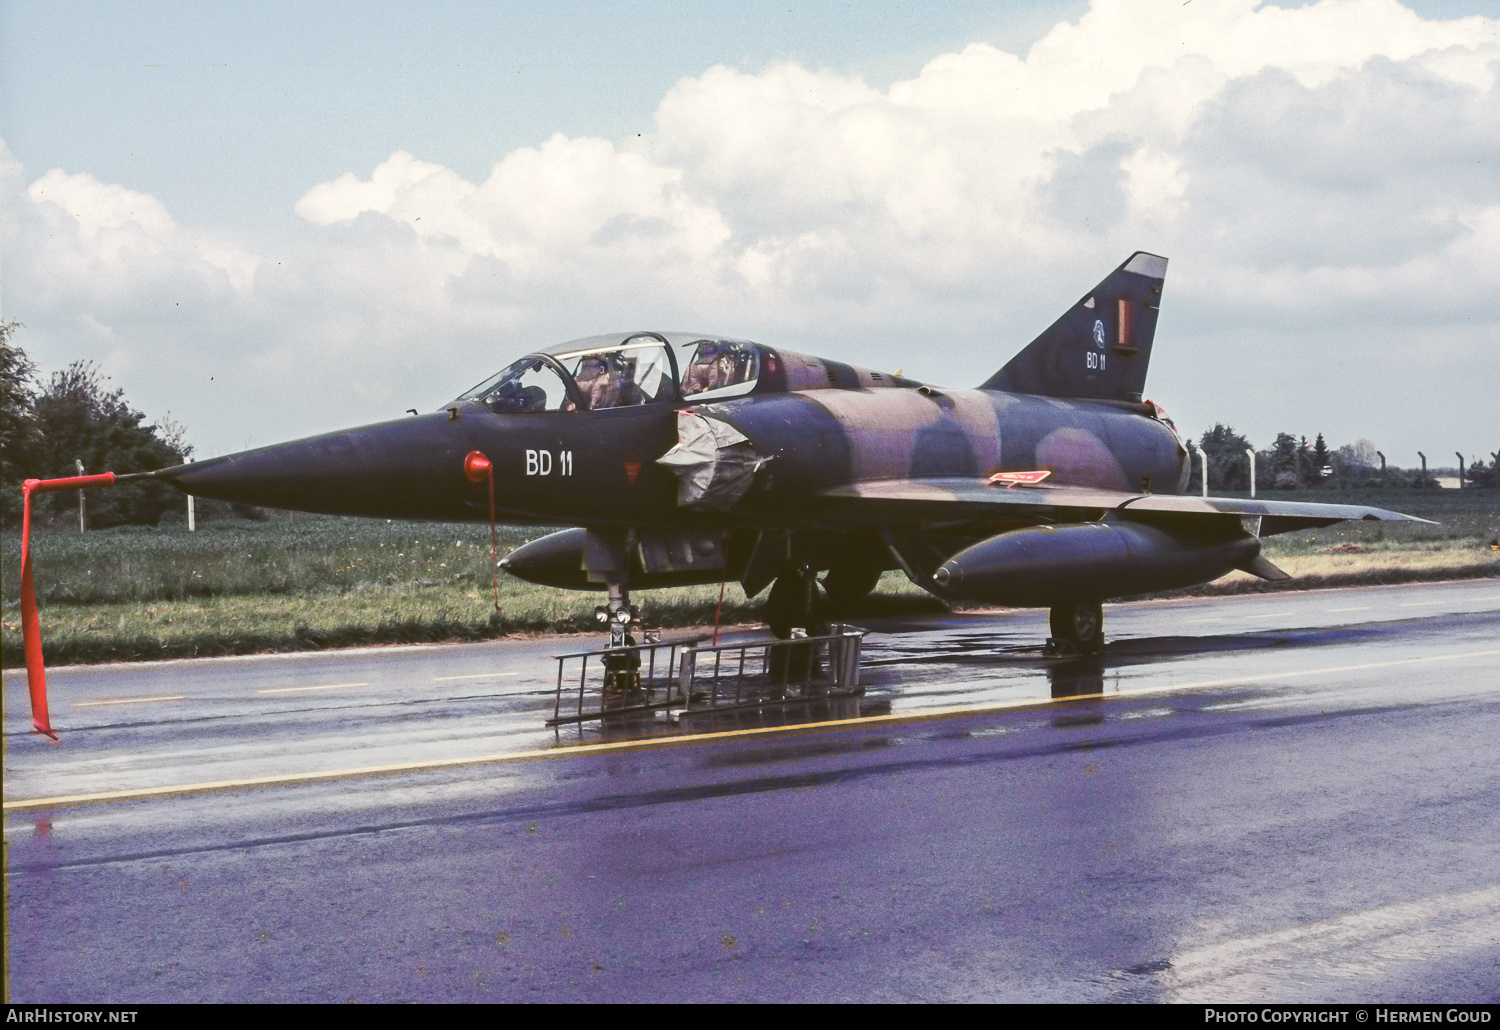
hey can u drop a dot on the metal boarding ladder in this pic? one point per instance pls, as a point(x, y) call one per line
point(683, 674)
point(631, 678)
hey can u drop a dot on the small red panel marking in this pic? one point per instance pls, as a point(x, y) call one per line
point(1028, 478)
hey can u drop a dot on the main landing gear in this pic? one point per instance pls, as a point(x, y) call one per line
point(848, 583)
point(794, 602)
point(1080, 623)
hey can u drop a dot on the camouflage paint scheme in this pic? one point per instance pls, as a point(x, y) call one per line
point(848, 468)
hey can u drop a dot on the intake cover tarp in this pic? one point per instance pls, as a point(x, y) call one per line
point(714, 462)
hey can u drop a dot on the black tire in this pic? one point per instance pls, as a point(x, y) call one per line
point(1081, 623)
point(848, 584)
point(793, 601)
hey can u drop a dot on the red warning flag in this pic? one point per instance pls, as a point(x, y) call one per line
point(31, 627)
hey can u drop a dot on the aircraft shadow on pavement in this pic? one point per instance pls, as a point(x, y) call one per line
point(1084, 675)
point(992, 649)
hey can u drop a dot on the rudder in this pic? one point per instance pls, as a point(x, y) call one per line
point(1100, 349)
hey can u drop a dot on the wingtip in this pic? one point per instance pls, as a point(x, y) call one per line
point(1382, 515)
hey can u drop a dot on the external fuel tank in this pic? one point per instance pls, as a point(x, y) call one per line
point(1042, 566)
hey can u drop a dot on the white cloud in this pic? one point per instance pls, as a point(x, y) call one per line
point(1331, 169)
point(568, 201)
point(99, 239)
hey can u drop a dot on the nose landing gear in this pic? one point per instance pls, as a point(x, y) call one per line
point(622, 672)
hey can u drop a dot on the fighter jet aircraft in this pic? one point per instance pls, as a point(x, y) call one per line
point(688, 458)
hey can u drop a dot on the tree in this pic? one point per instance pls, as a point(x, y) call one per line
point(77, 419)
point(1364, 452)
point(1357, 464)
point(1228, 467)
point(1305, 471)
point(1480, 474)
point(1282, 459)
point(43, 430)
point(17, 420)
point(1320, 461)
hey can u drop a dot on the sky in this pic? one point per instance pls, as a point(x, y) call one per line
point(275, 219)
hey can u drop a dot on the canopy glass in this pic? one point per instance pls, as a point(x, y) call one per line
point(623, 370)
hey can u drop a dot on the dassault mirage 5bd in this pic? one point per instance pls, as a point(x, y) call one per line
point(685, 458)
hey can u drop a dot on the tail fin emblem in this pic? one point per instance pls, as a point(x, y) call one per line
point(1099, 333)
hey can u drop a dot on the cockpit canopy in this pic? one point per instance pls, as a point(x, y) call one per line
point(619, 371)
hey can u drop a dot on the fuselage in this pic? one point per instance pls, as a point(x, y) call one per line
point(815, 423)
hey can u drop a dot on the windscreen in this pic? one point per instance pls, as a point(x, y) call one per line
point(528, 385)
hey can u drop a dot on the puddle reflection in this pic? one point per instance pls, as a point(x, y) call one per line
point(1077, 677)
point(708, 720)
point(981, 666)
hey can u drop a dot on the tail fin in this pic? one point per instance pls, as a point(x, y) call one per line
point(1099, 350)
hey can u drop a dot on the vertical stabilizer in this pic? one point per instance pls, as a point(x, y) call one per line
point(1099, 350)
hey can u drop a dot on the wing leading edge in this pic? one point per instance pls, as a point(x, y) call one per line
point(948, 496)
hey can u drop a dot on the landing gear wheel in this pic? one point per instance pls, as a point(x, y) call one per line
point(1081, 623)
point(793, 601)
point(848, 584)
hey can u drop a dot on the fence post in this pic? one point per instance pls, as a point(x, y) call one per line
point(192, 524)
point(82, 522)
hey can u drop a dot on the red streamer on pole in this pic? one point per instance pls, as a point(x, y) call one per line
point(476, 467)
point(494, 544)
point(31, 627)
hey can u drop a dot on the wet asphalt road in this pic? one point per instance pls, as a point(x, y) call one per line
point(1280, 797)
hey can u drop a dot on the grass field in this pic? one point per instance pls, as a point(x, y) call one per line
point(239, 587)
point(1352, 553)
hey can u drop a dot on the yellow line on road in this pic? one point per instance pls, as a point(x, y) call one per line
point(129, 700)
point(1270, 615)
point(1361, 608)
point(653, 743)
point(321, 686)
point(475, 676)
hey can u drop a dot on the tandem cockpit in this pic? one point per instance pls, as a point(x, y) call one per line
point(625, 370)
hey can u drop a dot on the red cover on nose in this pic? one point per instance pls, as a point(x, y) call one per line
point(476, 466)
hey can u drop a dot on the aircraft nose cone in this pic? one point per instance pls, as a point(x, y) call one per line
point(413, 468)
